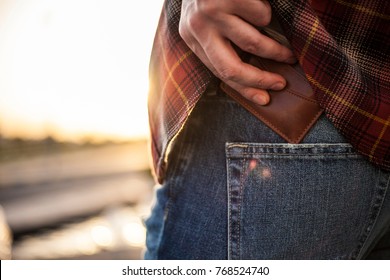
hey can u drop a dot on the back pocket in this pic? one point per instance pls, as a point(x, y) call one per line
point(299, 201)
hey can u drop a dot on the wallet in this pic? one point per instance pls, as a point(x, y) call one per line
point(292, 111)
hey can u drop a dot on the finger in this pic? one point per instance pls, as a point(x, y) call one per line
point(258, 96)
point(230, 67)
point(249, 39)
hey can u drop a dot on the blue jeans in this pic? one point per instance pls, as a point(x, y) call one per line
point(236, 190)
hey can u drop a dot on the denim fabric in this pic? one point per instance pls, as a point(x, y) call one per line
point(235, 189)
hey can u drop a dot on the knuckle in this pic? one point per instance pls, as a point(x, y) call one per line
point(251, 47)
point(186, 36)
point(261, 83)
point(229, 74)
point(183, 31)
point(195, 22)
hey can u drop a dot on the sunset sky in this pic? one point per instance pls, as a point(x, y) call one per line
point(75, 68)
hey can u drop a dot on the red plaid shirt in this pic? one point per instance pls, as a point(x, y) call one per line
point(342, 45)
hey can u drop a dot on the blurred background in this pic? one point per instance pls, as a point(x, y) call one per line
point(75, 179)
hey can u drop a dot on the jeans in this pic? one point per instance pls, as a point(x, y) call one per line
point(236, 190)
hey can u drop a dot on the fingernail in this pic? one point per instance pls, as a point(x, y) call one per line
point(259, 99)
point(278, 86)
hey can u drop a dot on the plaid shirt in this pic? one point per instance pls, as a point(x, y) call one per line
point(342, 45)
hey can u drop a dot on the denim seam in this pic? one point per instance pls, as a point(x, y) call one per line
point(229, 208)
point(234, 225)
point(298, 155)
point(176, 181)
point(240, 208)
point(296, 150)
point(376, 209)
point(245, 145)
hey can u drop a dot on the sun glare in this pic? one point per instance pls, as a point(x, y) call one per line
point(75, 68)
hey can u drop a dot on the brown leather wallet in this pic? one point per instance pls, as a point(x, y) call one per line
point(292, 111)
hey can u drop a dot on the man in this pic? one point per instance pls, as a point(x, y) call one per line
point(231, 187)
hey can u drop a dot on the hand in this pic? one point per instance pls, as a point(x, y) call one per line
point(209, 27)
